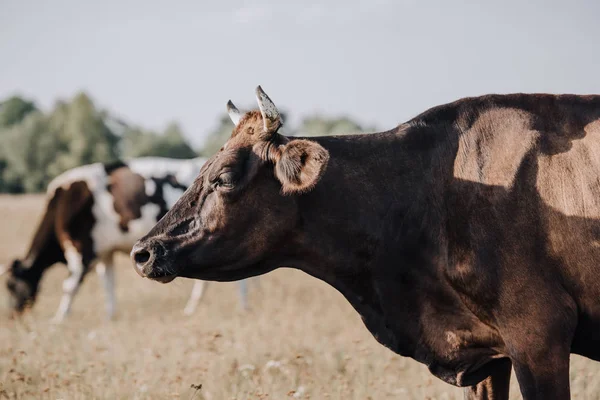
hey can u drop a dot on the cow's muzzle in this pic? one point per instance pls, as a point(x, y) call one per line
point(150, 261)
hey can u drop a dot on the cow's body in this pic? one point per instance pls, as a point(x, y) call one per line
point(96, 210)
point(467, 238)
point(147, 187)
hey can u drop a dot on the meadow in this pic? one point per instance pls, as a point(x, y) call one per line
point(301, 339)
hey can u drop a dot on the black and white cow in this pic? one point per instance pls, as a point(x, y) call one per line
point(94, 211)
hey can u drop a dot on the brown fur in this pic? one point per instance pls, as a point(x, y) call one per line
point(250, 123)
point(129, 193)
point(466, 238)
point(301, 165)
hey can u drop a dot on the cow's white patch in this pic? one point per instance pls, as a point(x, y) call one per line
point(243, 287)
point(106, 273)
point(171, 194)
point(106, 233)
point(150, 187)
point(140, 227)
point(199, 290)
point(63, 308)
point(75, 265)
point(195, 297)
point(71, 284)
point(91, 174)
point(185, 171)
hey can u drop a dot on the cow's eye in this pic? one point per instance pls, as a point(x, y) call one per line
point(226, 179)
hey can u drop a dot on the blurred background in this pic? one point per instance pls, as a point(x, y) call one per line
point(93, 81)
point(82, 82)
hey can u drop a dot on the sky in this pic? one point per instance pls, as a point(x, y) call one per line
point(380, 61)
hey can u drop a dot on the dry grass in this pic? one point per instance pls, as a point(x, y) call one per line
point(301, 340)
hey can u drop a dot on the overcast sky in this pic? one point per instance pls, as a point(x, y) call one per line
point(381, 61)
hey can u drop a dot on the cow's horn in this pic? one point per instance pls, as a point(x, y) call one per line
point(271, 118)
point(234, 113)
point(3, 269)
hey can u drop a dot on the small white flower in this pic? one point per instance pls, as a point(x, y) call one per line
point(299, 392)
point(246, 369)
point(273, 365)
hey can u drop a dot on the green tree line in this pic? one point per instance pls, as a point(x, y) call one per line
point(37, 145)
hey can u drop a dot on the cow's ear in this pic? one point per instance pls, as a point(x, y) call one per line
point(300, 165)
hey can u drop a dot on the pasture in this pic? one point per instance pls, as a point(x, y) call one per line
point(301, 339)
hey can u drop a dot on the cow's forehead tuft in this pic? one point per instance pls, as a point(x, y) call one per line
point(250, 124)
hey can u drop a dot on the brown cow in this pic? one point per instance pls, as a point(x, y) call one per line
point(94, 211)
point(467, 238)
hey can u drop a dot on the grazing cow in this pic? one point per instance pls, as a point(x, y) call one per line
point(94, 211)
point(467, 238)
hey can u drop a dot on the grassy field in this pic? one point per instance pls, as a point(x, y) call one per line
point(300, 340)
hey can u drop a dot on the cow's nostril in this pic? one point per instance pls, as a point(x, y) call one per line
point(141, 256)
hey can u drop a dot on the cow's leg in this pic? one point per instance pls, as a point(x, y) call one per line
point(106, 272)
point(243, 287)
point(539, 345)
point(544, 374)
point(494, 387)
point(77, 269)
point(256, 281)
point(195, 297)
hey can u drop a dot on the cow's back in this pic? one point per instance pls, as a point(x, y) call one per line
point(94, 175)
point(185, 171)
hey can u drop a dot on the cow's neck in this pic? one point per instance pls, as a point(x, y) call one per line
point(375, 228)
point(365, 225)
point(42, 254)
point(37, 262)
point(357, 287)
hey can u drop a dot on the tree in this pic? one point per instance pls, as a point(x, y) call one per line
point(40, 146)
point(14, 110)
point(88, 138)
point(31, 152)
point(319, 125)
point(139, 143)
point(173, 144)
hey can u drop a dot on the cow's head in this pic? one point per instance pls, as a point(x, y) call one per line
point(22, 287)
point(241, 206)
